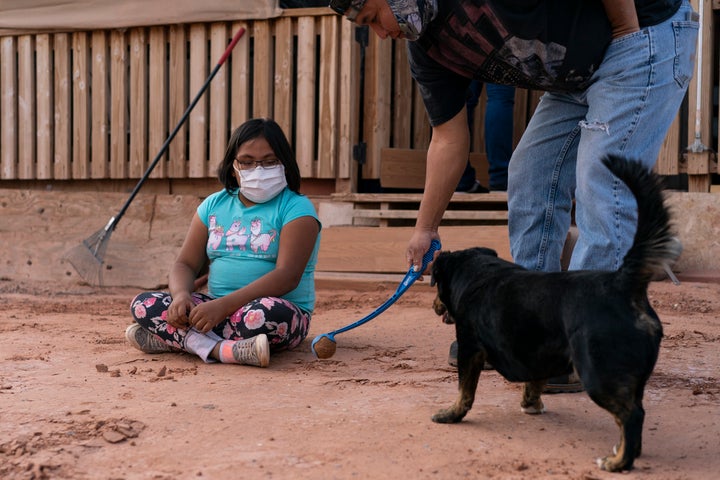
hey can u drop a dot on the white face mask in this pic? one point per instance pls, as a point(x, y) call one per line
point(261, 184)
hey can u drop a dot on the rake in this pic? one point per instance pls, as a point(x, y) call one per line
point(88, 257)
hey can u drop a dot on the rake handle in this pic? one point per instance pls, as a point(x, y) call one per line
point(114, 220)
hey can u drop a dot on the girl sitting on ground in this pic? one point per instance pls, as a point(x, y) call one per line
point(259, 237)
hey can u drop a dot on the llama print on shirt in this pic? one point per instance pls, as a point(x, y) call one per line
point(259, 240)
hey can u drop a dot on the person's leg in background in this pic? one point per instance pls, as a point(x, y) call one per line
point(499, 132)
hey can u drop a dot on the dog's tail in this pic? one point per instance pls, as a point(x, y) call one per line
point(654, 245)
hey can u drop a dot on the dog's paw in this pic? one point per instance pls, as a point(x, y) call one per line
point(533, 410)
point(448, 415)
point(612, 464)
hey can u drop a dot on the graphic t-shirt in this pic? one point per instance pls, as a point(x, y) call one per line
point(243, 242)
point(551, 45)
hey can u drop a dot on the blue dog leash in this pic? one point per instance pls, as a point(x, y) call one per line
point(407, 281)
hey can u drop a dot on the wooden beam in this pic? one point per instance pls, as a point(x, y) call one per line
point(382, 250)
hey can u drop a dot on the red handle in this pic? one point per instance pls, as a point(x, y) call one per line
point(233, 42)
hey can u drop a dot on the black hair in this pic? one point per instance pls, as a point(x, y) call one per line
point(259, 128)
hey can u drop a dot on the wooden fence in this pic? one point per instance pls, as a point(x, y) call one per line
point(87, 105)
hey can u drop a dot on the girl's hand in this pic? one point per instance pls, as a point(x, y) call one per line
point(177, 312)
point(207, 315)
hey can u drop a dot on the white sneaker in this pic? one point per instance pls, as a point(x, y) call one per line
point(253, 351)
point(145, 341)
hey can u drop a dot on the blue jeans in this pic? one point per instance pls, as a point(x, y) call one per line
point(499, 132)
point(499, 113)
point(627, 110)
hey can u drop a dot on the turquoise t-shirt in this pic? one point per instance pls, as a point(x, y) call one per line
point(243, 242)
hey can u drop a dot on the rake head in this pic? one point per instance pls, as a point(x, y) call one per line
point(88, 257)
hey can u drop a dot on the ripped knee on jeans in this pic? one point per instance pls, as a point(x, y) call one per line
point(598, 126)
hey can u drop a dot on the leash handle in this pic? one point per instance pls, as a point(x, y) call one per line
point(413, 275)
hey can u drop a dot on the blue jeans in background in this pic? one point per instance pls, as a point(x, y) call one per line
point(627, 110)
point(498, 132)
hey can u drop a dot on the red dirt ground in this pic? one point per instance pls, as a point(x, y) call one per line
point(77, 402)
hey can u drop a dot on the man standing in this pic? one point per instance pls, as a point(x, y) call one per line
point(615, 73)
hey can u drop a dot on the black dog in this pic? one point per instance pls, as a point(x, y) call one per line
point(532, 326)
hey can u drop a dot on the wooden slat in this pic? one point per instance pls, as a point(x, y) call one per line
point(328, 101)
point(402, 98)
point(100, 162)
point(81, 105)
point(43, 99)
point(138, 103)
point(474, 215)
point(218, 95)
point(119, 115)
point(305, 117)
point(668, 163)
point(178, 101)
point(198, 118)
point(482, 198)
point(26, 107)
point(378, 87)
point(349, 106)
point(8, 109)
point(284, 83)
point(62, 85)
point(158, 99)
point(241, 91)
point(382, 250)
point(263, 59)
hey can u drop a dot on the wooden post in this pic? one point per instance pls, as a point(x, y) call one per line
point(178, 101)
point(306, 98)
point(241, 89)
point(26, 107)
point(62, 85)
point(44, 102)
point(218, 94)
point(8, 109)
point(119, 121)
point(198, 117)
point(100, 161)
point(158, 98)
point(699, 167)
point(139, 101)
point(81, 112)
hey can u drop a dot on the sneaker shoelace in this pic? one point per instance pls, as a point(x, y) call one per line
point(149, 342)
point(244, 352)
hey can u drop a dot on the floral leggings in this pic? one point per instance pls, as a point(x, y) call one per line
point(285, 324)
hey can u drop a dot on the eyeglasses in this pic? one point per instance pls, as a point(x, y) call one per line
point(247, 165)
